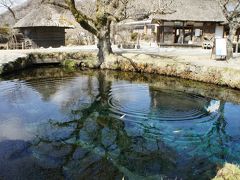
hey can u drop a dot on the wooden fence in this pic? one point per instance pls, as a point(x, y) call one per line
point(22, 45)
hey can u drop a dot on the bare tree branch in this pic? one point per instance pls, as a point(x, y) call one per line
point(80, 17)
point(231, 11)
point(8, 5)
point(103, 12)
point(57, 4)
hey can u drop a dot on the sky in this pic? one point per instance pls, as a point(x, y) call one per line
point(16, 2)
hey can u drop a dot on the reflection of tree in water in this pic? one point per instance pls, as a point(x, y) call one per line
point(204, 148)
point(92, 143)
point(96, 145)
point(216, 142)
point(214, 146)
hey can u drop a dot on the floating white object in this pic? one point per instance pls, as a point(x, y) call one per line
point(213, 107)
point(177, 131)
point(123, 116)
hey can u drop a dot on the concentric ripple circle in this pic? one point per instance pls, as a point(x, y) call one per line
point(137, 102)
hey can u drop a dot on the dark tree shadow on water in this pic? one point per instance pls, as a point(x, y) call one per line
point(97, 146)
point(93, 144)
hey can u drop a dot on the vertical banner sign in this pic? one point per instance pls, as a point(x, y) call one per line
point(221, 47)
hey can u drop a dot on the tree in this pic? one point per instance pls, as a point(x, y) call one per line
point(105, 12)
point(231, 11)
point(8, 5)
point(98, 21)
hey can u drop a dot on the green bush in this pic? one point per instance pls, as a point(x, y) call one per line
point(70, 64)
point(134, 36)
point(4, 31)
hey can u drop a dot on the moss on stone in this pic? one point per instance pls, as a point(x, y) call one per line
point(228, 172)
point(70, 64)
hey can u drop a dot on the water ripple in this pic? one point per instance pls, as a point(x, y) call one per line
point(139, 102)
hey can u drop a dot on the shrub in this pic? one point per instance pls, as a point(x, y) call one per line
point(134, 36)
point(4, 31)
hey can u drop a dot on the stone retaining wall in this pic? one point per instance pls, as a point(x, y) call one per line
point(35, 59)
point(224, 76)
point(162, 65)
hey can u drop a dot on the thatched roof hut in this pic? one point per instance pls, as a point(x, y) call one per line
point(193, 10)
point(45, 16)
point(44, 26)
point(190, 22)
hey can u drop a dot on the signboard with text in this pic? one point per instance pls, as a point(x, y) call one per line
point(221, 47)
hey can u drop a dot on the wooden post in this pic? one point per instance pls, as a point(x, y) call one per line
point(237, 43)
point(175, 34)
point(192, 33)
point(145, 29)
point(237, 47)
point(22, 45)
point(183, 32)
point(162, 38)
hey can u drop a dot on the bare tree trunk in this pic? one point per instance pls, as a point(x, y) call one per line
point(104, 45)
point(109, 44)
point(104, 49)
point(101, 51)
point(232, 33)
point(108, 38)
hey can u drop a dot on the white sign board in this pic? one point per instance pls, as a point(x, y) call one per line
point(221, 47)
point(219, 31)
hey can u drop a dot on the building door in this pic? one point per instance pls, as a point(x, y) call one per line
point(160, 34)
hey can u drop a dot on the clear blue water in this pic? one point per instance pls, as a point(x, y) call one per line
point(109, 125)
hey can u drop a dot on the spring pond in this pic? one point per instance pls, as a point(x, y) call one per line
point(56, 124)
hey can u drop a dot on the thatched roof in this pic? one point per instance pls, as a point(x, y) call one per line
point(44, 16)
point(193, 10)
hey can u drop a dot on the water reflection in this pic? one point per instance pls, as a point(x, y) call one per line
point(13, 129)
point(101, 125)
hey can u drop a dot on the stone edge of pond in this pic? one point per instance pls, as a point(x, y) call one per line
point(155, 64)
point(172, 66)
point(67, 59)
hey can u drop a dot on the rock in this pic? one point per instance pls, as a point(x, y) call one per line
point(228, 172)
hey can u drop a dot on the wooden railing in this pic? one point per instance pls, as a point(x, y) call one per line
point(22, 45)
point(16, 45)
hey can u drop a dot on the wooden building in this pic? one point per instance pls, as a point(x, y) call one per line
point(44, 27)
point(188, 23)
